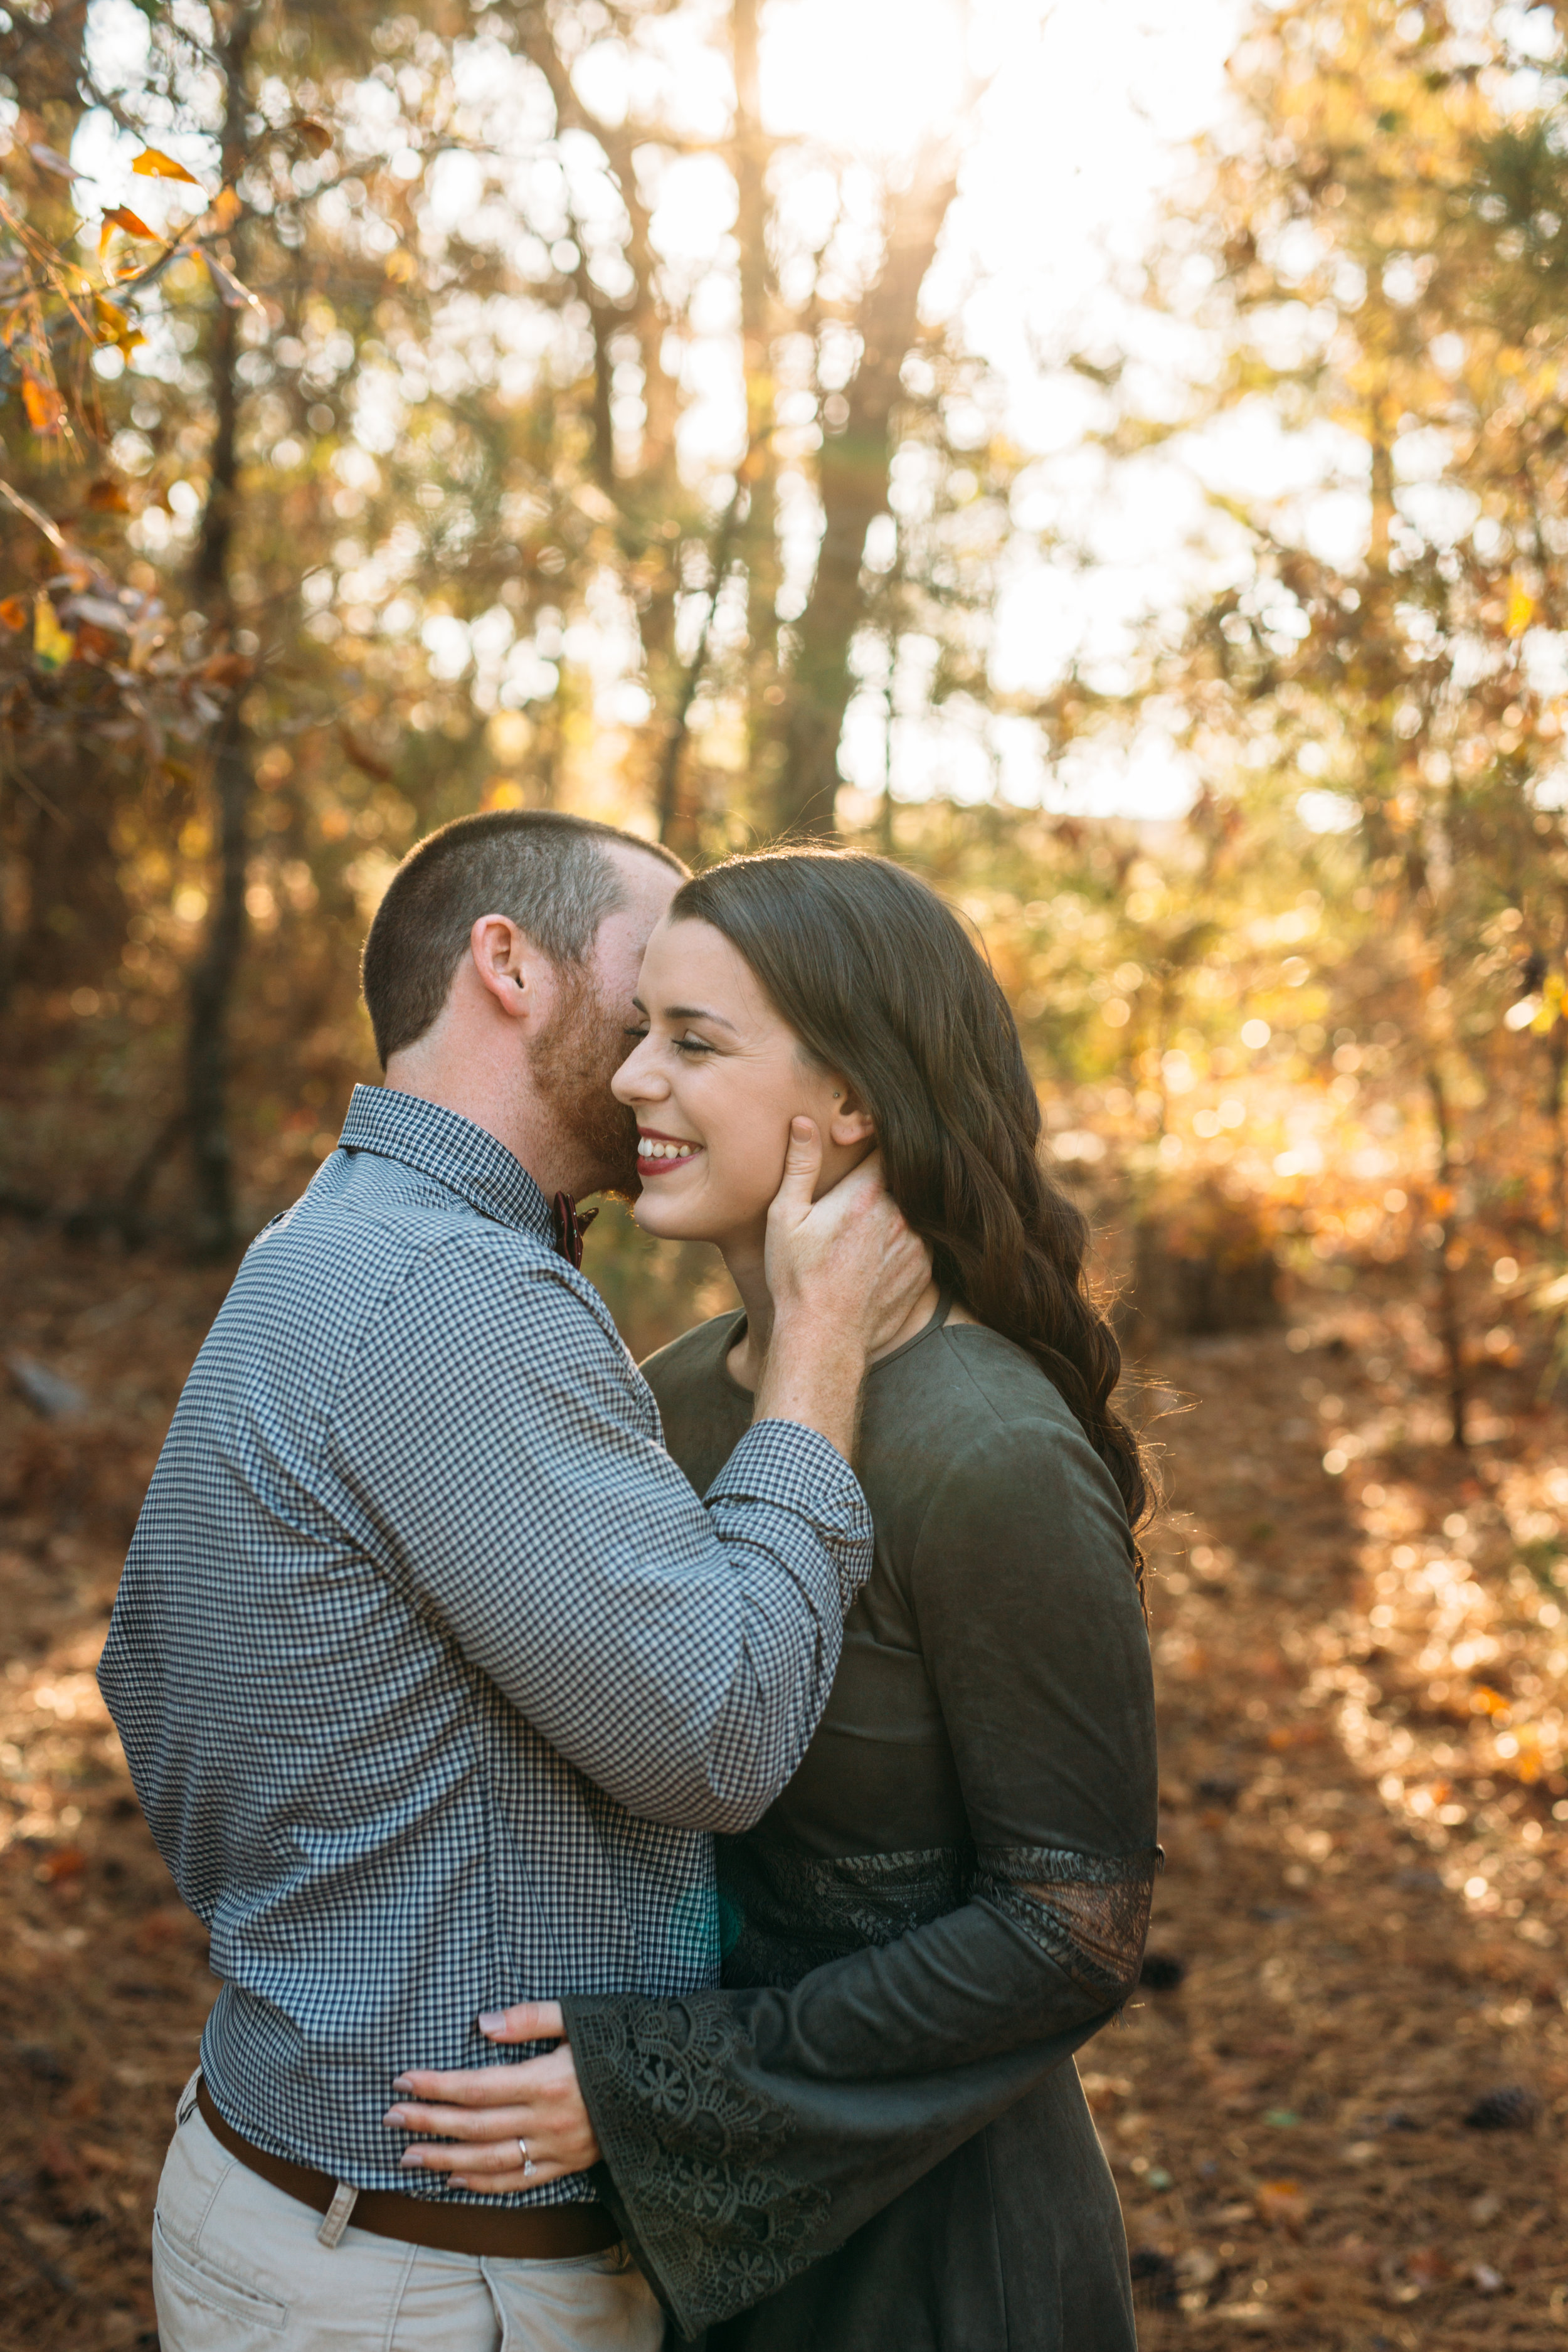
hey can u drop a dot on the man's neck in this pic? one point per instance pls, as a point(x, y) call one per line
point(511, 1115)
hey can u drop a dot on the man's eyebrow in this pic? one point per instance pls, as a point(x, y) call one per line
point(699, 1013)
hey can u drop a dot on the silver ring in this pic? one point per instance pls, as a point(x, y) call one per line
point(527, 2159)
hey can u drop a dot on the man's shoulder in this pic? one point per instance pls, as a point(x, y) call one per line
point(369, 1241)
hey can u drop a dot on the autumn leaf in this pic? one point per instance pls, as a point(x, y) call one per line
point(115, 326)
point(226, 207)
point(121, 216)
point(43, 403)
point(1283, 2203)
point(15, 612)
point(93, 644)
point(66, 1861)
point(314, 135)
point(228, 670)
point(1520, 609)
point(106, 496)
point(52, 646)
point(154, 165)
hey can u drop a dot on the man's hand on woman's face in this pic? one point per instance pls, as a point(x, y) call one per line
point(848, 1257)
point(484, 2111)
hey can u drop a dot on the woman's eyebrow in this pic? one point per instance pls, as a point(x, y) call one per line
point(699, 1013)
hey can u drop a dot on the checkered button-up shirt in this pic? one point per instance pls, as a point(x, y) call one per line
point(433, 1672)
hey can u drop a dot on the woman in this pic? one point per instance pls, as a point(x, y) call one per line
point(870, 2136)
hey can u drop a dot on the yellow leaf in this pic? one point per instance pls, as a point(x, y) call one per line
point(226, 208)
point(111, 322)
point(52, 646)
point(1520, 609)
point(43, 404)
point(154, 165)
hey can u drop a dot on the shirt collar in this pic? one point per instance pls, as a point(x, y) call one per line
point(466, 1158)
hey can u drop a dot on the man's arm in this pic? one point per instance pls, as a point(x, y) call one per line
point(501, 1453)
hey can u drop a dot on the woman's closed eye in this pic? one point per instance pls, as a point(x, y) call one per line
point(694, 1046)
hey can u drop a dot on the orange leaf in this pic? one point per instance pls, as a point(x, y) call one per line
point(228, 670)
point(314, 135)
point(1285, 2203)
point(226, 208)
point(121, 216)
point(154, 165)
point(106, 496)
point(66, 1861)
point(43, 404)
point(15, 613)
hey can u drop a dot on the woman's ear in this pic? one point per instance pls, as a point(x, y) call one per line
point(849, 1122)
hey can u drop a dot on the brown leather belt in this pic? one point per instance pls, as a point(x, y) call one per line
point(540, 2233)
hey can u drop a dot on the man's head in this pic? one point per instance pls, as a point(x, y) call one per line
point(499, 975)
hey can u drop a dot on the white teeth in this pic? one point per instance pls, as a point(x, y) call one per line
point(648, 1149)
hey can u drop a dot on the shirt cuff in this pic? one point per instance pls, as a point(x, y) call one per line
point(795, 1469)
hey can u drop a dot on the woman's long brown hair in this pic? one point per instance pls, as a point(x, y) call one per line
point(880, 982)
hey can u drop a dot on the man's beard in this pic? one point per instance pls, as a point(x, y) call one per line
point(572, 1064)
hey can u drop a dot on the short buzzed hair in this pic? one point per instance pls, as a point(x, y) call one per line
point(546, 873)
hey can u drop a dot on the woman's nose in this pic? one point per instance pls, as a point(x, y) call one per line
point(636, 1081)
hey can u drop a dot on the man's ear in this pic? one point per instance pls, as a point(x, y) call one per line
point(850, 1122)
point(509, 966)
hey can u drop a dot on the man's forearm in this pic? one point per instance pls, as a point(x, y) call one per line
point(812, 1373)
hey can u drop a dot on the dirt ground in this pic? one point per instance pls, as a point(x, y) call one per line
point(1359, 1937)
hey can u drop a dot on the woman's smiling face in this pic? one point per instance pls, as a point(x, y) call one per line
point(713, 1084)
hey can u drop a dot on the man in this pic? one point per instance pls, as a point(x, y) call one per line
point(433, 1673)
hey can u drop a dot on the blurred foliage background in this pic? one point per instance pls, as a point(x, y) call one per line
point(387, 455)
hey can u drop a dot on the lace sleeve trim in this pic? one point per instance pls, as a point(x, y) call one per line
point(1088, 1912)
point(720, 2218)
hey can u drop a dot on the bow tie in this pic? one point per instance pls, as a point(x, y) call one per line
point(570, 1225)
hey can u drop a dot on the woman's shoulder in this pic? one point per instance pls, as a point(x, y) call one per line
point(976, 1419)
point(975, 1378)
point(697, 1356)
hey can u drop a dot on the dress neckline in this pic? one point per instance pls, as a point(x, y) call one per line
point(938, 1316)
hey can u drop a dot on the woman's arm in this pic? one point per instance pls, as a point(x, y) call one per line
point(747, 2133)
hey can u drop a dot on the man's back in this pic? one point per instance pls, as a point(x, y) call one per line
point(419, 1611)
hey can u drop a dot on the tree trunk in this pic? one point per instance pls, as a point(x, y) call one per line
point(678, 828)
point(853, 478)
point(210, 992)
point(759, 547)
point(1449, 1319)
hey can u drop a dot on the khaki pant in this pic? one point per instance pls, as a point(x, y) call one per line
point(238, 2266)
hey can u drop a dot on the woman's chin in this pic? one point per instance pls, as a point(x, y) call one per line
point(669, 1219)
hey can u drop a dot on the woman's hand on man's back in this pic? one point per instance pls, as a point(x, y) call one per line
point(480, 2118)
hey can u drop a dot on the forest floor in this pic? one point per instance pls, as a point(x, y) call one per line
point(1363, 1673)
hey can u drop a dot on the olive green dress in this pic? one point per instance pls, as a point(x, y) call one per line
point(872, 2137)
